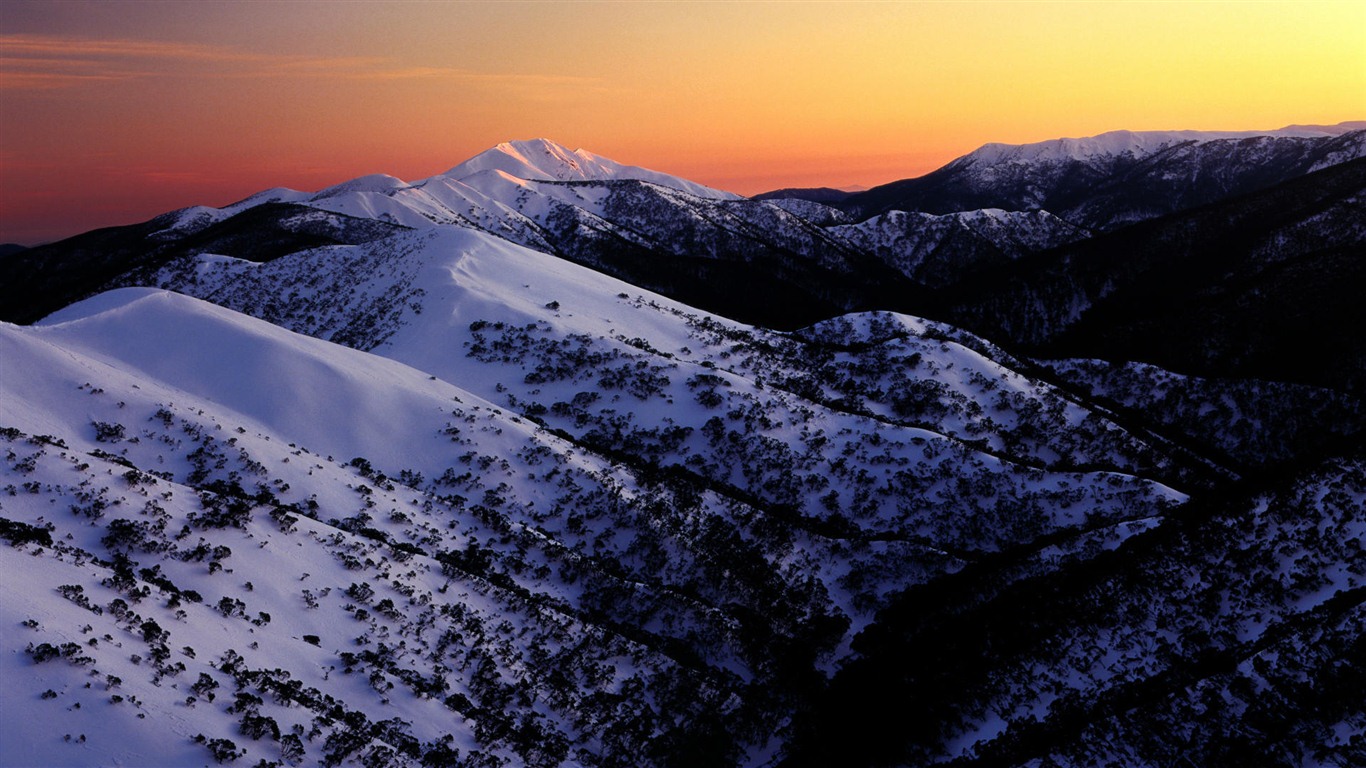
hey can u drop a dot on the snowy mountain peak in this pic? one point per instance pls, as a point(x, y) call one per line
point(535, 160)
point(380, 183)
point(545, 160)
point(557, 160)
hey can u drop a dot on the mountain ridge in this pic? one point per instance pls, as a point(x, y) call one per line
point(1150, 176)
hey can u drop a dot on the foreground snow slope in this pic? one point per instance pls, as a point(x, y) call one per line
point(432, 300)
point(319, 394)
point(706, 508)
point(217, 550)
point(290, 550)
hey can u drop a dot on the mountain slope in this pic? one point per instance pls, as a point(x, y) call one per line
point(41, 280)
point(430, 613)
point(1271, 280)
point(941, 251)
point(717, 508)
point(1225, 637)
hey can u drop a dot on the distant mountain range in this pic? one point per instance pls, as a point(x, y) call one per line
point(1106, 181)
point(1050, 457)
point(780, 262)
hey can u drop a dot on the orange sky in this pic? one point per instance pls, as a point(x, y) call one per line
point(113, 112)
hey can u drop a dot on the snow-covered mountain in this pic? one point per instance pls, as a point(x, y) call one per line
point(494, 189)
point(713, 507)
point(1113, 179)
point(749, 259)
point(394, 474)
point(544, 160)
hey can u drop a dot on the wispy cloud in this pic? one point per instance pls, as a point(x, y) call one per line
point(30, 62)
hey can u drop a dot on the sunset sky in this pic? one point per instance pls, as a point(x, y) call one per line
point(113, 112)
